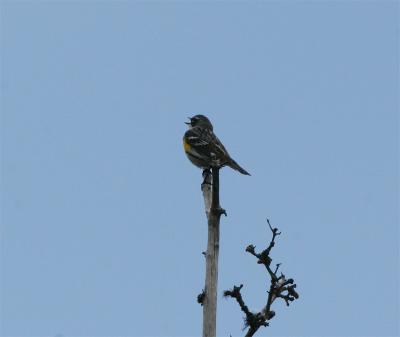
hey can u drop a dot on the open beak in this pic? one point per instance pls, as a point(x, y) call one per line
point(189, 123)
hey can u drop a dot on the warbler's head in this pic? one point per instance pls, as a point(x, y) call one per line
point(200, 121)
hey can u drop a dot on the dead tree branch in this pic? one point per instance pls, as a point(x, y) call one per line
point(208, 297)
point(280, 287)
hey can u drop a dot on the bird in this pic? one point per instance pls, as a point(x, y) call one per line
point(204, 149)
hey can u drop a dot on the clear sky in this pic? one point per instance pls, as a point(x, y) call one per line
point(102, 219)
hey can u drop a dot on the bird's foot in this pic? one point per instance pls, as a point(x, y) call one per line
point(206, 177)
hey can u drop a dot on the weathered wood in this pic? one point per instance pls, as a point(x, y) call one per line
point(210, 188)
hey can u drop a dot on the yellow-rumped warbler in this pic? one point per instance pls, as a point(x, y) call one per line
point(204, 149)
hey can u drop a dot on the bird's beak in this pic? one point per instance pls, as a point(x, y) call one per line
point(189, 123)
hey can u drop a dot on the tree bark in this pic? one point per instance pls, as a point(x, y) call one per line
point(210, 188)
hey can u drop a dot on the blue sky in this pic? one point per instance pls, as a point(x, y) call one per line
point(102, 220)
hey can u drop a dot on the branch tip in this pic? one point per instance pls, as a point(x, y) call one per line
point(250, 249)
point(280, 287)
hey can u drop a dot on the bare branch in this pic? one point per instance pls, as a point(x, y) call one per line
point(208, 298)
point(252, 320)
point(280, 287)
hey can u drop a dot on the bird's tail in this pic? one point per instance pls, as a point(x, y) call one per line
point(237, 167)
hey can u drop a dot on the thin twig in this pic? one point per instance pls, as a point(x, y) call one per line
point(280, 287)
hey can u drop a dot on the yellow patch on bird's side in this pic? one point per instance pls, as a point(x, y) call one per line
point(186, 145)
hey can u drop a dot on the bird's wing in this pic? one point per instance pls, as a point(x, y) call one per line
point(205, 143)
point(197, 137)
point(218, 148)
